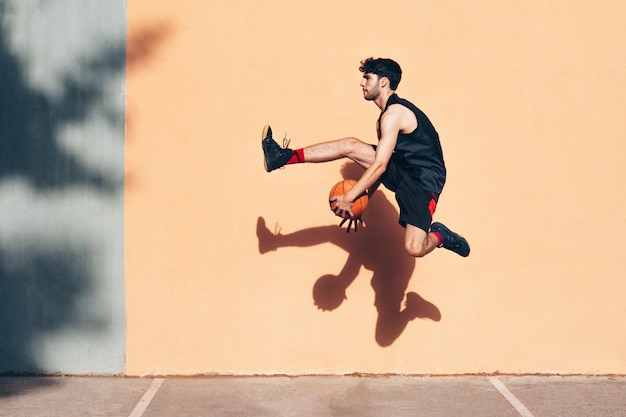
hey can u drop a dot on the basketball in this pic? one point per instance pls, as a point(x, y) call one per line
point(359, 205)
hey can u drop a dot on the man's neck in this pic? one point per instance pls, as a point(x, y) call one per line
point(383, 98)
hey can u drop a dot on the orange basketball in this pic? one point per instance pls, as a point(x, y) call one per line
point(359, 205)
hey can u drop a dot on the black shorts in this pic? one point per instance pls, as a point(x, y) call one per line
point(416, 204)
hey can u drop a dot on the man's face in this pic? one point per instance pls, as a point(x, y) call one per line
point(371, 86)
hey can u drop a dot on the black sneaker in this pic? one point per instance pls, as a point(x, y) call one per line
point(275, 156)
point(450, 240)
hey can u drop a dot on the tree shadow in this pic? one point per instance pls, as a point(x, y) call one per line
point(378, 248)
point(46, 275)
point(49, 287)
point(61, 202)
point(30, 120)
point(11, 385)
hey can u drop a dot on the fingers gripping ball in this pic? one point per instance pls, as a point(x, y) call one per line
point(360, 203)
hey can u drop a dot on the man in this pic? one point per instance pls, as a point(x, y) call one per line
point(408, 160)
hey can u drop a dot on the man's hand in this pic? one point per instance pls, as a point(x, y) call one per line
point(342, 207)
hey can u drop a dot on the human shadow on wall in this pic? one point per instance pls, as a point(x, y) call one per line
point(378, 248)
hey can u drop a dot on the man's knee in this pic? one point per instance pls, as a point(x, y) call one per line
point(416, 250)
point(418, 243)
point(350, 144)
point(358, 151)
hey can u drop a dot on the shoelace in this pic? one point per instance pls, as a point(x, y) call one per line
point(285, 146)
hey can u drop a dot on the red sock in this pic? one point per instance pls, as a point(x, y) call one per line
point(297, 157)
point(439, 239)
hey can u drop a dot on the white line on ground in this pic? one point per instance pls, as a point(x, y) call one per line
point(141, 406)
point(521, 409)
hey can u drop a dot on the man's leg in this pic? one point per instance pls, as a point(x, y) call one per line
point(352, 148)
point(277, 157)
point(419, 243)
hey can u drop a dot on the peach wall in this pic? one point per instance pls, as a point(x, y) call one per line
point(528, 98)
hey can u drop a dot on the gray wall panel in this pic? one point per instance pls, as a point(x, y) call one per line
point(62, 98)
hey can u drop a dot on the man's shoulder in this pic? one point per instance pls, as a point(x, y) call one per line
point(403, 102)
point(394, 112)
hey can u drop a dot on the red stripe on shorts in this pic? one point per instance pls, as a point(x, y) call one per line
point(432, 206)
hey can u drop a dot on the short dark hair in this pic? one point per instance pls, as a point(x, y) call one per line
point(383, 67)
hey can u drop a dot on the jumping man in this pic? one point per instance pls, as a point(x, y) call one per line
point(408, 160)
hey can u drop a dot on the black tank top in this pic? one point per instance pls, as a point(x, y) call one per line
point(419, 152)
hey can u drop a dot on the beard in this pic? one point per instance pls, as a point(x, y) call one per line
point(371, 95)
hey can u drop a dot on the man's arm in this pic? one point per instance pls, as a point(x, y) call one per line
point(390, 124)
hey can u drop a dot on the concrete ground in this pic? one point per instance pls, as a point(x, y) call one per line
point(315, 396)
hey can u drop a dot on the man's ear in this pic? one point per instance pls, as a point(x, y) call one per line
point(384, 82)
